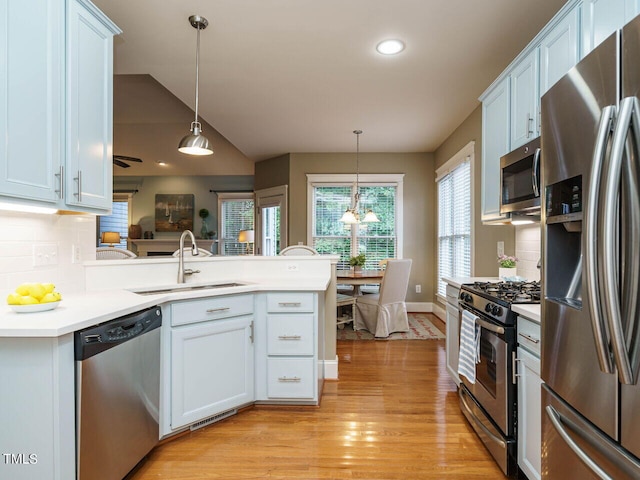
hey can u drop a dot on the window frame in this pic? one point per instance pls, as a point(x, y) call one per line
point(124, 238)
point(368, 180)
point(232, 196)
point(465, 153)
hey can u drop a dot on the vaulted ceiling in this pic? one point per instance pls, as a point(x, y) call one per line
point(280, 76)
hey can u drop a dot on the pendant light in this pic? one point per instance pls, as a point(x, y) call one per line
point(195, 143)
point(351, 215)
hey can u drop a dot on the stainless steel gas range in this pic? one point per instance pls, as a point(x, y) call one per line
point(490, 403)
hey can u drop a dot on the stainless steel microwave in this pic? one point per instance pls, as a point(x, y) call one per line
point(520, 179)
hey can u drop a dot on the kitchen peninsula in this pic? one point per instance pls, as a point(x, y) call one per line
point(273, 292)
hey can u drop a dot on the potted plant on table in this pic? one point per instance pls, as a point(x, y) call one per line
point(357, 262)
point(507, 266)
point(204, 231)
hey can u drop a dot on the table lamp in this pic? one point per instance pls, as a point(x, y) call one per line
point(110, 238)
point(246, 236)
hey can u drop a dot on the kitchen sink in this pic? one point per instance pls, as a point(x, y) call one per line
point(187, 288)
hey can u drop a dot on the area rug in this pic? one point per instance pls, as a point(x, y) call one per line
point(420, 328)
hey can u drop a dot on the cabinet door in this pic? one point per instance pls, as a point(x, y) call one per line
point(600, 18)
point(211, 369)
point(31, 75)
point(529, 420)
point(495, 143)
point(89, 108)
point(559, 51)
point(524, 100)
point(453, 341)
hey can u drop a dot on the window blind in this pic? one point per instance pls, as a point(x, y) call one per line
point(237, 215)
point(378, 240)
point(118, 221)
point(454, 224)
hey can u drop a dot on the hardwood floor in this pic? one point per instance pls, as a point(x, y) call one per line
point(393, 414)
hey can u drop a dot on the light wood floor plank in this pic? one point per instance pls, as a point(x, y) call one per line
point(393, 414)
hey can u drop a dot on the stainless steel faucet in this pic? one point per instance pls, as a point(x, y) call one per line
point(194, 251)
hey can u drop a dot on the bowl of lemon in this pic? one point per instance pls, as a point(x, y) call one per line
point(34, 297)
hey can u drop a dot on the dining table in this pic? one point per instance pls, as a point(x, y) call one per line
point(360, 277)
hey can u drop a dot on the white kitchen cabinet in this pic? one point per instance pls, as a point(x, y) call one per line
point(453, 333)
point(495, 143)
point(559, 50)
point(600, 18)
point(524, 100)
point(210, 354)
point(289, 339)
point(56, 106)
point(529, 399)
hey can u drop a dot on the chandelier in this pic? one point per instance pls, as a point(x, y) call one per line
point(351, 215)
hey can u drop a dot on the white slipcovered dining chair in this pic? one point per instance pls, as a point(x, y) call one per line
point(113, 253)
point(187, 252)
point(385, 312)
point(298, 250)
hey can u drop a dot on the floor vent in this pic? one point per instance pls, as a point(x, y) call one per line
point(213, 419)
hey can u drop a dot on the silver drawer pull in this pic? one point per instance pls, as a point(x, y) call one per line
point(289, 379)
point(217, 310)
point(290, 337)
point(289, 304)
point(530, 338)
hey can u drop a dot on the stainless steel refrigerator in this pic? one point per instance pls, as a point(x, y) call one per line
point(591, 250)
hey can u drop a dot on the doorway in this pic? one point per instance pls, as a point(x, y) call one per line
point(271, 224)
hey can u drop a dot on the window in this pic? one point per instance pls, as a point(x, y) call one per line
point(454, 217)
point(331, 195)
point(235, 213)
point(118, 221)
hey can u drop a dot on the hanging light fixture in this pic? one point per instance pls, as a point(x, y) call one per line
point(351, 215)
point(195, 143)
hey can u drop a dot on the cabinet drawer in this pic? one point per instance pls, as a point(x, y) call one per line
point(529, 335)
point(290, 302)
point(290, 378)
point(290, 335)
point(211, 308)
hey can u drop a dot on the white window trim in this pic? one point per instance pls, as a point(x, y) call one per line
point(468, 151)
point(367, 179)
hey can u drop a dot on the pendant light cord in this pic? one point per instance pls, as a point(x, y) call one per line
point(357, 195)
point(197, 73)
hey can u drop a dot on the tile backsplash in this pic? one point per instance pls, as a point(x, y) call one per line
point(528, 248)
point(21, 235)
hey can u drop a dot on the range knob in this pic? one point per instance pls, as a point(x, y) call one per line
point(496, 310)
point(488, 307)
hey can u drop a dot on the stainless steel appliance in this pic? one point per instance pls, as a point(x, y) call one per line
point(117, 397)
point(520, 179)
point(591, 213)
point(490, 403)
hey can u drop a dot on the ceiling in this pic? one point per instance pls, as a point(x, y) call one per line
point(280, 76)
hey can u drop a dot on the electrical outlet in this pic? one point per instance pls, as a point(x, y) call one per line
point(76, 254)
point(292, 267)
point(418, 288)
point(500, 248)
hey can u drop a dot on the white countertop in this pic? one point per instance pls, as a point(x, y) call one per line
point(78, 311)
point(530, 311)
point(458, 281)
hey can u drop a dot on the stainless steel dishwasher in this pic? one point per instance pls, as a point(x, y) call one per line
point(117, 394)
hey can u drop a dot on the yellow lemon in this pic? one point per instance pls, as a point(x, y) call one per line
point(57, 296)
point(49, 298)
point(28, 300)
point(49, 287)
point(14, 299)
point(37, 291)
point(23, 289)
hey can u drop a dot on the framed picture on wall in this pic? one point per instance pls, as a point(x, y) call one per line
point(174, 213)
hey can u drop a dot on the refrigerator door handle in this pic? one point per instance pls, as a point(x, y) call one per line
point(556, 420)
point(628, 106)
point(535, 173)
point(598, 323)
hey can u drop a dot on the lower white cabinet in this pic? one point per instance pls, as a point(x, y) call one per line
point(453, 333)
point(208, 353)
point(529, 421)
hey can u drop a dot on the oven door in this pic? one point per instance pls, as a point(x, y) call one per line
point(494, 389)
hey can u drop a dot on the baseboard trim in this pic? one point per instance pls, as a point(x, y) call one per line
point(439, 312)
point(419, 307)
point(331, 369)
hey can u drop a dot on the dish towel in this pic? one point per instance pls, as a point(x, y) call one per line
point(469, 346)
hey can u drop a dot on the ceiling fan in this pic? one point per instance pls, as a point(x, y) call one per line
point(120, 160)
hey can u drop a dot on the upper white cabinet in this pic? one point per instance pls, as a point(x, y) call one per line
point(495, 143)
point(56, 104)
point(600, 18)
point(524, 100)
point(559, 50)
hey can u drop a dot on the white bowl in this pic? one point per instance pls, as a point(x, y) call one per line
point(36, 307)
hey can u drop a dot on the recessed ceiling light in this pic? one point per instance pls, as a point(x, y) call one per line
point(390, 47)
point(162, 164)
